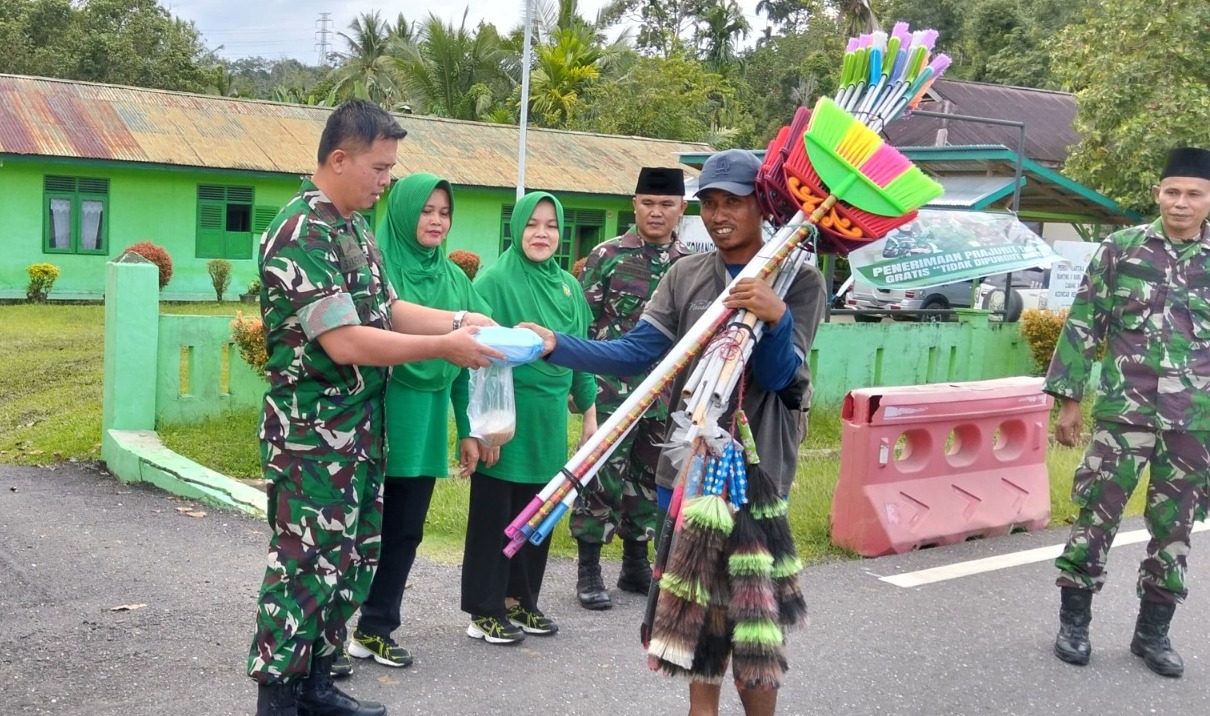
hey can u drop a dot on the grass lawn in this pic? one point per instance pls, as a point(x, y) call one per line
point(51, 361)
point(50, 411)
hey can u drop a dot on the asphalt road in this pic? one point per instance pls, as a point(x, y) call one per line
point(74, 544)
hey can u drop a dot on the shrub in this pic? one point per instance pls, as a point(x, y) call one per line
point(156, 255)
point(41, 280)
point(248, 333)
point(220, 276)
point(578, 267)
point(1041, 329)
point(254, 286)
point(468, 261)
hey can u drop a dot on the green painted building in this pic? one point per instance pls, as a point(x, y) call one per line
point(86, 170)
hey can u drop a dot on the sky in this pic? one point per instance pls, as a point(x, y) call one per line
point(288, 28)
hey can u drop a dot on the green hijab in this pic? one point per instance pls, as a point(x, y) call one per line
point(420, 274)
point(521, 290)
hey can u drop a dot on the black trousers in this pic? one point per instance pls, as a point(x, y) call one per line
point(487, 575)
point(405, 503)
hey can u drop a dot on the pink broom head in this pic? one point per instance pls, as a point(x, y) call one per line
point(885, 165)
point(852, 46)
point(903, 31)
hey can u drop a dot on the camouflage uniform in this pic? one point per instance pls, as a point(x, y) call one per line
point(618, 280)
point(1148, 299)
point(321, 433)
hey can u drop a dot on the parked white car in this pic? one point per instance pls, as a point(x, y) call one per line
point(865, 297)
point(1029, 290)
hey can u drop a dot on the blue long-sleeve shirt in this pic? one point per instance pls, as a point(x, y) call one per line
point(774, 359)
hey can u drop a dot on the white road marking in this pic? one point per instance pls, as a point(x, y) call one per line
point(1004, 561)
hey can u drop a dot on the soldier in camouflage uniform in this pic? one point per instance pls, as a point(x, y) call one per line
point(332, 324)
point(1146, 296)
point(618, 279)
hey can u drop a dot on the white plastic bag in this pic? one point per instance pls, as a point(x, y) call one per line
point(491, 412)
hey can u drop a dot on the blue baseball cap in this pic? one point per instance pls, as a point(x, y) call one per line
point(732, 171)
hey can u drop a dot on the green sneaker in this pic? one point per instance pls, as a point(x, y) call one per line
point(384, 650)
point(342, 665)
point(494, 630)
point(532, 621)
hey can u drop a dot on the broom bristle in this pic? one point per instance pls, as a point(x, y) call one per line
point(791, 604)
point(769, 508)
point(757, 641)
point(690, 576)
point(839, 145)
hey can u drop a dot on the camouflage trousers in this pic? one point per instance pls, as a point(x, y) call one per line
point(327, 520)
point(1176, 497)
point(621, 497)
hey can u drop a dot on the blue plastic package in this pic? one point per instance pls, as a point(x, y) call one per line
point(519, 345)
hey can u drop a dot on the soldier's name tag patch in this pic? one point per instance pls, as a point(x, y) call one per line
point(349, 253)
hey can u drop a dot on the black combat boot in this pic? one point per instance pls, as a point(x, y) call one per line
point(589, 586)
point(318, 696)
point(636, 570)
point(1075, 613)
point(275, 700)
point(1151, 639)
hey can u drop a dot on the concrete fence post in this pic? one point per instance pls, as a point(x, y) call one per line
point(977, 325)
point(132, 325)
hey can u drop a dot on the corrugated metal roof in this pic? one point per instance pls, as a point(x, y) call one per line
point(60, 118)
point(1048, 118)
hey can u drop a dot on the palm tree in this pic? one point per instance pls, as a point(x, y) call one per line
point(856, 16)
point(438, 70)
point(722, 23)
point(366, 68)
point(566, 67)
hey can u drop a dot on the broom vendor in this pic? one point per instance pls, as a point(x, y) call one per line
point(618, 279)
point(778, 394)
point(1146, 297)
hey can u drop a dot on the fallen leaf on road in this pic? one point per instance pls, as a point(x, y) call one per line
point(126, 607)
point(195, 514)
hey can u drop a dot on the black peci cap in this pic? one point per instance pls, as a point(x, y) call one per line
point(661, 181)
point(1188, 162)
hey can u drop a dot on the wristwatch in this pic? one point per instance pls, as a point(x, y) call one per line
point(458, 319)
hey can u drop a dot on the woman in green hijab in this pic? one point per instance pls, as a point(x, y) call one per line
point(525, 284)
point(412, 236)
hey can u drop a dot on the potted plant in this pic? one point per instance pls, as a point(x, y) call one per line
point(253, 294)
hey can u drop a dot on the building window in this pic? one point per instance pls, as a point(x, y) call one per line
point(581, 232)
point(224, 222)
point(626, 221)
point(77, 214)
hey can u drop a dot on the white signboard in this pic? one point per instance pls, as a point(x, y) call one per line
point(1066, 275)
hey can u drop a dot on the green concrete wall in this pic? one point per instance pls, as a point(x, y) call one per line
point(862, 355)
point(199, 372)
point(846, 356)
point(159, 204)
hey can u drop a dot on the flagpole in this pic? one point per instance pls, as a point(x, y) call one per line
point(528, 17)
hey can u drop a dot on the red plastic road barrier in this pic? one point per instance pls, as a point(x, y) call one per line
point(929, 465)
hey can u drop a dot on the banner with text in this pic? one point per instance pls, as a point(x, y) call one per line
point(941, 247)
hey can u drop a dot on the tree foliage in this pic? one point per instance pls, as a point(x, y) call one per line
point(1142, 84)
point(673, 98)
point(126, 42)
